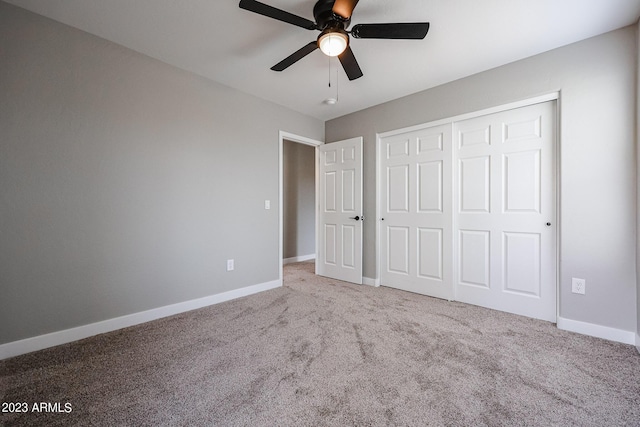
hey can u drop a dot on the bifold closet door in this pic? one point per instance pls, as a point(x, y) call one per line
point(505, 237)
point(468, 211)
point(416, 236)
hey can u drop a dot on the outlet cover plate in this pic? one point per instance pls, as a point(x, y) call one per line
point(578, 286)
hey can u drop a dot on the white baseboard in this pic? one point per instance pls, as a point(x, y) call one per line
point(298, 259)
point(638, 342)
point(40, 342)
point(370, 282)
point(598, 331)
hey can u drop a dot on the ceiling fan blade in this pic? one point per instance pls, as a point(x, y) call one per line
point(280, 15)
point(413, 30)
point(344, 8)
point(350, 65)
point(295, 56)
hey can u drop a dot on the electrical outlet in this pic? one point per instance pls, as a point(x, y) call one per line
point(230, 265)
point(578, 286)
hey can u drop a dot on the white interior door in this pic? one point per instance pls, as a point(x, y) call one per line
point(468, 211)
point(505, 241)
point(340, 216)
point(416, 234)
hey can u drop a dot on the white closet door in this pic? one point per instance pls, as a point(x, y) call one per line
point(505, 242)
point(339, 229)
point(416, 237)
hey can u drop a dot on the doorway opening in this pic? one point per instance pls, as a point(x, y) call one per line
point(298, 199)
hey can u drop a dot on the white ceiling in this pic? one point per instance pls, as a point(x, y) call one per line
point(218, 40)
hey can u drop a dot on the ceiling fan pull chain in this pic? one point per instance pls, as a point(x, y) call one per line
point(337, 86)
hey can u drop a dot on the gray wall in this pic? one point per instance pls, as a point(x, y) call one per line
point(597, 80)
point(125, 183)
point(299, 197)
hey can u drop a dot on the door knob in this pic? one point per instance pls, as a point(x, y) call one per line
point(548, 224)
point(357, 218)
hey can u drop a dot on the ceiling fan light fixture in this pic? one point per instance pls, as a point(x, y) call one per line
point(333, 42)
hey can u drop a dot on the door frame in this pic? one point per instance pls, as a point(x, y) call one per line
point(552, 96)
point(282, 136)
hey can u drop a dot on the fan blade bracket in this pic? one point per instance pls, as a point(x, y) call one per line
point(278, 14)
point(400, 31)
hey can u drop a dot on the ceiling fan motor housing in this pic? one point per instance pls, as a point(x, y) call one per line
point(326, 19)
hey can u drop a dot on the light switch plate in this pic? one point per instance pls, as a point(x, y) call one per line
point(267, 204)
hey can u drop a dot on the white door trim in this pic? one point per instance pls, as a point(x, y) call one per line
point(510, 106)
point(282, 136)
point(552, 96)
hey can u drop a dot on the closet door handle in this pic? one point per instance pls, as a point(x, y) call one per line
point(357, 218)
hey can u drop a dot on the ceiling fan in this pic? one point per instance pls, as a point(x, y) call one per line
point(332, 18)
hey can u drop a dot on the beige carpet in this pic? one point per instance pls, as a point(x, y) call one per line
point(321, 352)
